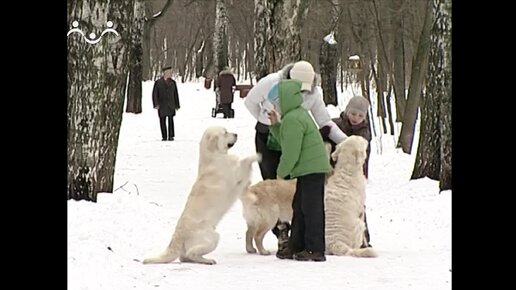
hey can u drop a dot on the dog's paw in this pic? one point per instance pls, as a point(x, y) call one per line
point(254, 158)
point(259, 157)
point(210, 262)
point(251, 250)
point(264, 252)
point(249, 160)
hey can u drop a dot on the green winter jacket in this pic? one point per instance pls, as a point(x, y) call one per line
point(302, 147)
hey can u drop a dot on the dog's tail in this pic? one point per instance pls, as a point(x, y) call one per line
point(170, 254)
point(244, 174)
point(249, 195)
point(363, 253)
point(342, 249)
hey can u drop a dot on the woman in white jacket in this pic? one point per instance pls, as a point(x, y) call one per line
point(258, 105)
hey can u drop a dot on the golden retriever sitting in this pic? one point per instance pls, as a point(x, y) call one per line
point(221, 179)
point(344, 201)
point(263, 205)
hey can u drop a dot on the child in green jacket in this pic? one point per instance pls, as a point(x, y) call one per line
point(303, 157)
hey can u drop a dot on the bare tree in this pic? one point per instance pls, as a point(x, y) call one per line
point(209, 49)
point(416, 83)
point(241, 20)
point(384, 75)
point(96, 76)
point(434, 153)
point(150, 20)
point(328, 62)
point(262, 58)
point(329, 57)
point(134, 85)
point(398, 54)
point(209, 70)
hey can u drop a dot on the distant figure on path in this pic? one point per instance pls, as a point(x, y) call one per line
point(165, 99)
point(226, 84)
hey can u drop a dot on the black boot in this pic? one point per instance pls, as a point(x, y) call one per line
point(285, 253)
point(307, 255)
point(282, 232)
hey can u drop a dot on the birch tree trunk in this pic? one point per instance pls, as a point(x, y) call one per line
point(434, 153)
point(444, 87)
point(96, 80)
point(261, 37)
point(416, 82)
point(220, 39)
point(277, 33)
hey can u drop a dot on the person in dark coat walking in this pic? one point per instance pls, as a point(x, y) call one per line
point(353, 121)
point(165, 99)
point(226, 85)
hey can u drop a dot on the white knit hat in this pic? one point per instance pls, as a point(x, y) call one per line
point(303, 71)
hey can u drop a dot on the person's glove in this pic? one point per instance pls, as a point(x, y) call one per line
point(325, 132)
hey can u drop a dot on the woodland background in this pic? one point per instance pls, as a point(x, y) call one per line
point(396, 51)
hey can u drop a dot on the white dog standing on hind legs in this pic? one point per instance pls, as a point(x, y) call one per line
point(221, 179)
point(344, 201)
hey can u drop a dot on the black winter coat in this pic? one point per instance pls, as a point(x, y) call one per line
point(164, 95)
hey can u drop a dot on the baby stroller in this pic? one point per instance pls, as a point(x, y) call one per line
point(219, 108)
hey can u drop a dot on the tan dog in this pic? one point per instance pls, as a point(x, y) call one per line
point(263, 205)
point(344, 201)
point(221, 179)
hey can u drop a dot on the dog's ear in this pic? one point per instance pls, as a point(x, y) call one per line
point(335, 153)
point(213, 142)
point(359, 156)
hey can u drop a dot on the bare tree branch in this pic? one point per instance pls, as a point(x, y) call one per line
point(160, 13)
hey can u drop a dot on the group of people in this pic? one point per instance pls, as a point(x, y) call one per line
point(292, 146)
point(290, 142)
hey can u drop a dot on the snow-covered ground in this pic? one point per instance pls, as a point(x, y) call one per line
point(409, 221)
